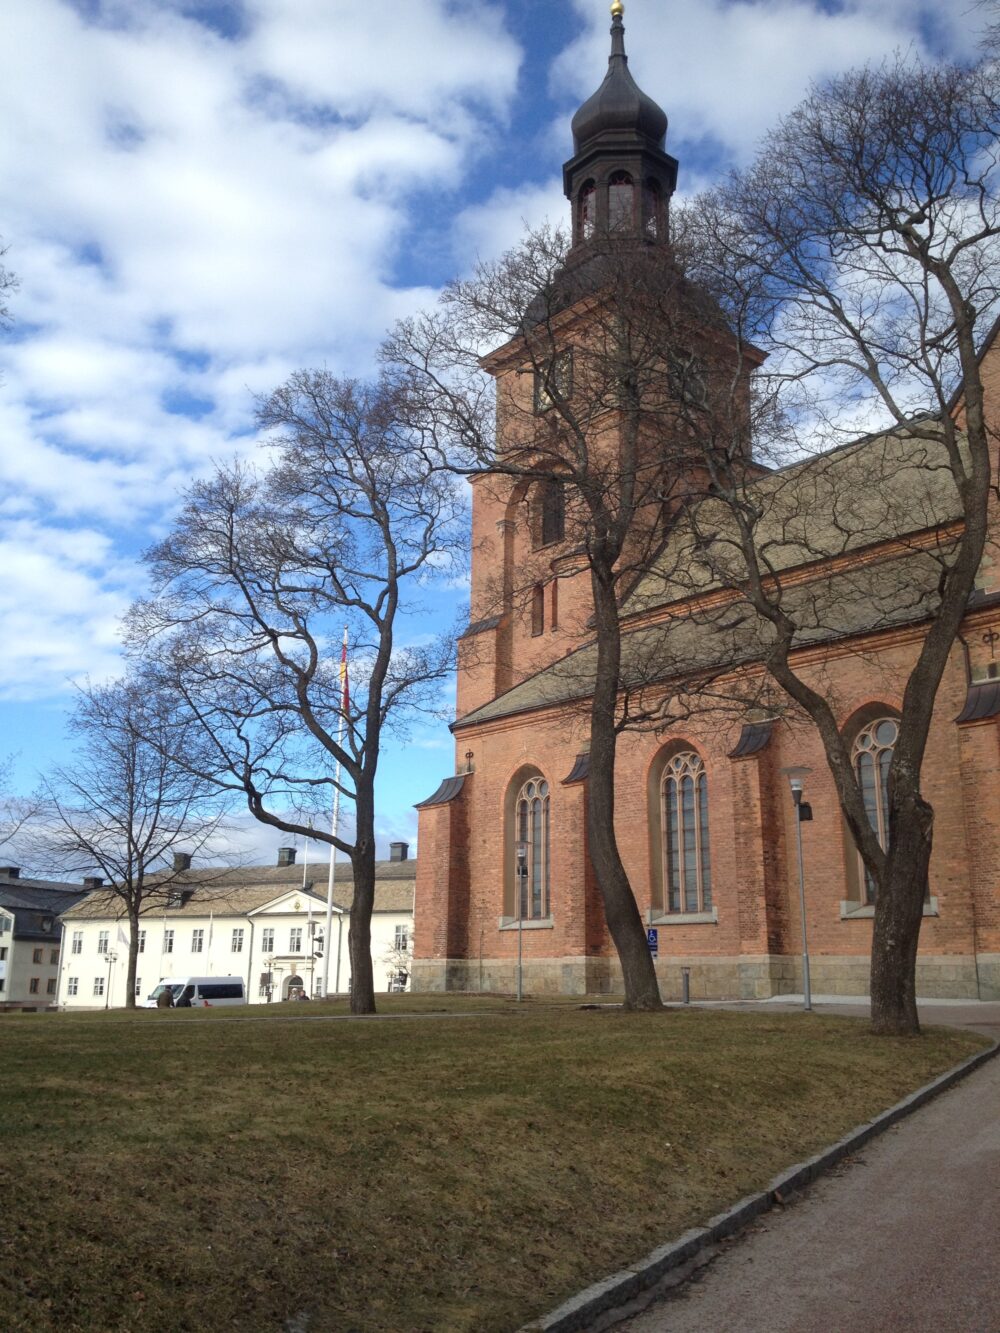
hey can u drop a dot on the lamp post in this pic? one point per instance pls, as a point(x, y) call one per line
point(112, 959)
point(796, 775)
point(521, 851)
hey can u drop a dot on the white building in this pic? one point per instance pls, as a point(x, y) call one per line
point(29, 938)
point(264, 923)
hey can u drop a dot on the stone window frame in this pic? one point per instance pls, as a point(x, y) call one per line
point(103, 941)
point(168, 940)
point(676, 760)
point(198, 939)
point(98, 987)
point(72, 985)
point(76, 943)
point(519, 819)
point(236, 945)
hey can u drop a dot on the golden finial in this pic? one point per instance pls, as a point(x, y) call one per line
point(617, 9)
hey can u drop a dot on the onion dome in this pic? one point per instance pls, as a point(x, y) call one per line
point(619, 106)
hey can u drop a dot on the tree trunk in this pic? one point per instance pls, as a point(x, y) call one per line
point(359, 935)
point(899, 907)
point(620, 909)
point(133, 959)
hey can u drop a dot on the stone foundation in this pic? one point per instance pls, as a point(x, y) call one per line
point(739, 978)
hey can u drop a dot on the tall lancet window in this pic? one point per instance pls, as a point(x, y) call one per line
point(872, 755)
point(621, 202)
point(532, 830)
point(587, 212)
point(651, 210)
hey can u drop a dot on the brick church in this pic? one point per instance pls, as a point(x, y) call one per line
point(704, 815)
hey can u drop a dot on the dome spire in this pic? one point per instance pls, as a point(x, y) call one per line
point(619, 105)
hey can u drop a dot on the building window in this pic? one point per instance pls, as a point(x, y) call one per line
point(54, 957)
point(621, 202)
point(687, 377)
point(77, 944)
point(73, 986)
point(871, 756)
point(98, 985)
point(651, 210)
point(552, 503)
point(687, 871)
point(267, 939)
point(102, 942)
point(2, 985)
point(138, 987)
point(531, 829)
point(238, 939)
point(295, 940)
point(37, 955)
point(197, 940)
point(168, 941)
point(554, 381)
point(142, 941)
point(50, 986)
point(537, 609)
point(402, 938)
point(4, 924)
point(3, 954)
point(586, 212)
point(33, 986)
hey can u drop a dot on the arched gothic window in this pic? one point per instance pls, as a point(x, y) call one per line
point(586, 217)
point(531, 835)
point(651, 220)
point(871, 755)
point(621, 202)
point(687, 868)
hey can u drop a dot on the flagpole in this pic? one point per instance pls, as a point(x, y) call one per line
point(335, 823)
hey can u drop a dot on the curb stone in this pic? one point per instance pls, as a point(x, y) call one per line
point(631, 1289)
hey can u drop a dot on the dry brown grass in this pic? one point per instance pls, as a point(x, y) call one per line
point(186, 1172)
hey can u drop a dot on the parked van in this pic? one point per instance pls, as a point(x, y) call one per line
point(199, 991)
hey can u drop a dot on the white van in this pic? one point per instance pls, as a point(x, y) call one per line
point(197, 992)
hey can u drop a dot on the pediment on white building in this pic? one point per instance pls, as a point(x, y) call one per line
point(296, 902)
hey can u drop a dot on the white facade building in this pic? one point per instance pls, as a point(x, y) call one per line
point(266, 924)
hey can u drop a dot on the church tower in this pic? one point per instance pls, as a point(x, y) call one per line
point(620, 178)
point(531, 592)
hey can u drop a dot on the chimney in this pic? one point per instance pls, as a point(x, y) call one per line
point(10, 872)
point(399, 851)
point(182, 861)
point(92, 881)
point(286, 856)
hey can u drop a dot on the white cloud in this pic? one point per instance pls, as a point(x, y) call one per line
point(192, 216)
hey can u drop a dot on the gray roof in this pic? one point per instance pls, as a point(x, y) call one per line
point(876, 492)
point(696, 642)
point(33, 903)
point(235, 892)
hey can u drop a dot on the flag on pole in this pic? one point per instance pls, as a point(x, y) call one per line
point(345, 689)
point(122, 937)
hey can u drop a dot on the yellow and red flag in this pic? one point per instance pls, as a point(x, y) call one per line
point(345, 689)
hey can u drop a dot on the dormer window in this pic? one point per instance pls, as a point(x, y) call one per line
point(621, 202)
point(554, 381)
point(586, 214)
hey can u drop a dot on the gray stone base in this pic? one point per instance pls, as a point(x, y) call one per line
point(747, 977)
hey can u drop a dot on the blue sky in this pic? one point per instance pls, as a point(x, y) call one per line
point(201, 197)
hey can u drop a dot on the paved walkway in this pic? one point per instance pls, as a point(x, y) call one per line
point(906, 1236)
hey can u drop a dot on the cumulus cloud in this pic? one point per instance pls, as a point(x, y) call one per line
point(194, 209)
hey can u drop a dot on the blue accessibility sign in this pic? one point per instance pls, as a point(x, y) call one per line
point(653, 940)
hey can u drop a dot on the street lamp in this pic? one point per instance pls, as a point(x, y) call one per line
point(112, 959)
point(521, 852)
point(796, 775)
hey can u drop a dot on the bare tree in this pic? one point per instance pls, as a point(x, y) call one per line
point(8, 284)
point(600, 347)
point(862, 252)
point(253, 586)
point(16, 812)
point(127, 803)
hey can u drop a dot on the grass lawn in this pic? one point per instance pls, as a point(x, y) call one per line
point(194, 1170)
